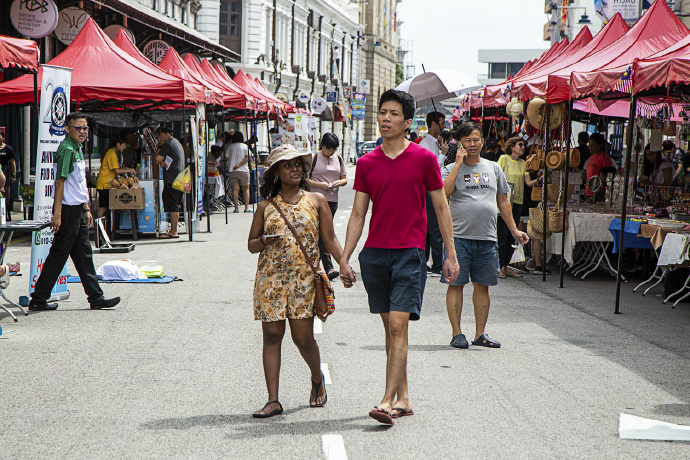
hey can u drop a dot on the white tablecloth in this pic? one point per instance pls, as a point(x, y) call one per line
point(216, 184)
point(586, 226)
point(674, 252)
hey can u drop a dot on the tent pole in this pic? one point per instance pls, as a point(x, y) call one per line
point(545, 189)
point(565, 183)
point(188, 218)
point(624, 207)
point(208, 153)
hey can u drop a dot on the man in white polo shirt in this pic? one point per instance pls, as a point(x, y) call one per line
point(71, 221)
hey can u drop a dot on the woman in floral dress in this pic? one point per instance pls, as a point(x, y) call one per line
point(284, 285)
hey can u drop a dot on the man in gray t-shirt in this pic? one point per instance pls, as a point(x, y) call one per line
point(171, 158)
point(476, 189)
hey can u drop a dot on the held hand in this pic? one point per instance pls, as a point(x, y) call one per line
point(521, 237)
point(443, 146)
point(270, 240)
point(89, 219)
point(13, 180)
point(55, 223)
point(324, 185)
point(335, 184)
point(460, 156)
point(451, 269)
point(234, 168)
point(347, 274)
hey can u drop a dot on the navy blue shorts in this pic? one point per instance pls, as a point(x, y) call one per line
point(478, 260)
point(394, 279)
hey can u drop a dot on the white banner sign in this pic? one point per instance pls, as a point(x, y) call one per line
point(54, 106)
point(629, 9)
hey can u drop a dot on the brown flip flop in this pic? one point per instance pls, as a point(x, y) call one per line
point(381, 416)
point(402, 412)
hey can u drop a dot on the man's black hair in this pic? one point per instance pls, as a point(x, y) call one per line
point(164, 129)
point(330, 141)
point(466, 129)
point(583, 137)
point(668, 145)
point(434, 116)
point(74, 116)
point(238, 137)
point(402, 98)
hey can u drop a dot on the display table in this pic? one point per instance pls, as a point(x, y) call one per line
point(591, 228)
point(631, 238)
point(655, 234)
point(6, 232)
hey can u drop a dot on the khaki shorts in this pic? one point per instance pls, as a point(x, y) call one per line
point(238, 177)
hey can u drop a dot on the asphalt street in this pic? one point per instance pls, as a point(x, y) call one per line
point(175, 370)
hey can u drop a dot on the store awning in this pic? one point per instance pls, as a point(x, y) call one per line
point(18, 53)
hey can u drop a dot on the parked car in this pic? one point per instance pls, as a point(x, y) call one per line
point(365, 147)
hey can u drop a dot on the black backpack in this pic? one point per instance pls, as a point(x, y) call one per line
point(313, 164)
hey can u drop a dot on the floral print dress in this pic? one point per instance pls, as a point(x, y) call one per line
point(284, 284)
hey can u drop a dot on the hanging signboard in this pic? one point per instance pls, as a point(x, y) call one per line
point(155, 50)
point(331, 96)
point(303, 97)
point(70, 23)
point(54, 105)
point(200, 157)
point(358, 103)
point(364, 86)
point(607, 9)
point(35, 19)
point(318, 105)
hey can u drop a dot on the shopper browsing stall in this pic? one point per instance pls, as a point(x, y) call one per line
point(8, 162)
point(171, 158)
point(237, 156)
point(327, 175)
point(110, 168)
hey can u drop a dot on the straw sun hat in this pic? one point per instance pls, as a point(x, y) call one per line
point(536, 111)
point(288, 152)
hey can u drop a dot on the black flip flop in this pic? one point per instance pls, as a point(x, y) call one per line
point(318, 387)
point(459, 341)
point(270, 414)
point(381, 416)
point(402, 412)
point(485, 341)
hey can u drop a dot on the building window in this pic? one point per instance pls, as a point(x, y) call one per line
point(173, 10)
point(514, 67)
point(497, 70)
point(230, 24)
point(167, 5)
point(184, 15)
point(155, 5)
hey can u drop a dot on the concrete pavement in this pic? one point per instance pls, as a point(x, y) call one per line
point(175, 370)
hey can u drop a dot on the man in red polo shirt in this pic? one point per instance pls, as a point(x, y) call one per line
point(395, 177)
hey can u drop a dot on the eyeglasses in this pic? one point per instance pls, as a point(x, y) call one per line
point(520, 145)
point(80, 129)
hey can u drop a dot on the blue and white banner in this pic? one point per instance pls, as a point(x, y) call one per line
point(54, 107)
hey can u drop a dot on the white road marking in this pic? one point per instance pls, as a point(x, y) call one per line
point(339, 224)
point(318, 328)
point(326, 374)
point(333, 447)
point(343, 217)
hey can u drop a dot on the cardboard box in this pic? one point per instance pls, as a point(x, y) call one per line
point(125, 198)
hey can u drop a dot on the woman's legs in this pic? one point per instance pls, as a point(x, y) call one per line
point(273, 333)
point(235, 195)
point(302, 331)
point(245, 195)
point(506, 240)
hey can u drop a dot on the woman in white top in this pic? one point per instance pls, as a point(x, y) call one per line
point(327, 175)
point(237, 156)
point(655, 169)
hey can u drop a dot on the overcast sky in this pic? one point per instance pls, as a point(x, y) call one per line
point(448, 33)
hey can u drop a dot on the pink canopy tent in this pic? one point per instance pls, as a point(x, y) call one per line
point(662, 71)
point(103, 72)
point(18, 53)
point(206, 71)
point(656, 31)
point(279, 106)
point(663, 34)
point(537, 81)
point(173, 64)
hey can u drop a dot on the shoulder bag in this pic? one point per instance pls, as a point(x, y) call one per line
point(324, 295)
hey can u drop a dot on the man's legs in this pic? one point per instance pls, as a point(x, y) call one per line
point(82, 256)
point(454, 307)
point(396, 324)
point(481, 300)
point(59, 252)
point(174, 218)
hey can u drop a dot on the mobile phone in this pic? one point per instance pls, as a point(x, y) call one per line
point(273, 236)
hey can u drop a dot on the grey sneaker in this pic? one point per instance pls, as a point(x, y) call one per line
point(530, 265)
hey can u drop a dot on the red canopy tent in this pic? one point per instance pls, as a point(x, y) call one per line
point(233, 97)
point(243, 81)
point(656, 31)
point(662, 71)
point(18, 53)
point(103, 72)
point(173, 64)
point(280, 106)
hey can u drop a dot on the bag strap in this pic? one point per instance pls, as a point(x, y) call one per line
point(294, 232)
point(313, 164)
